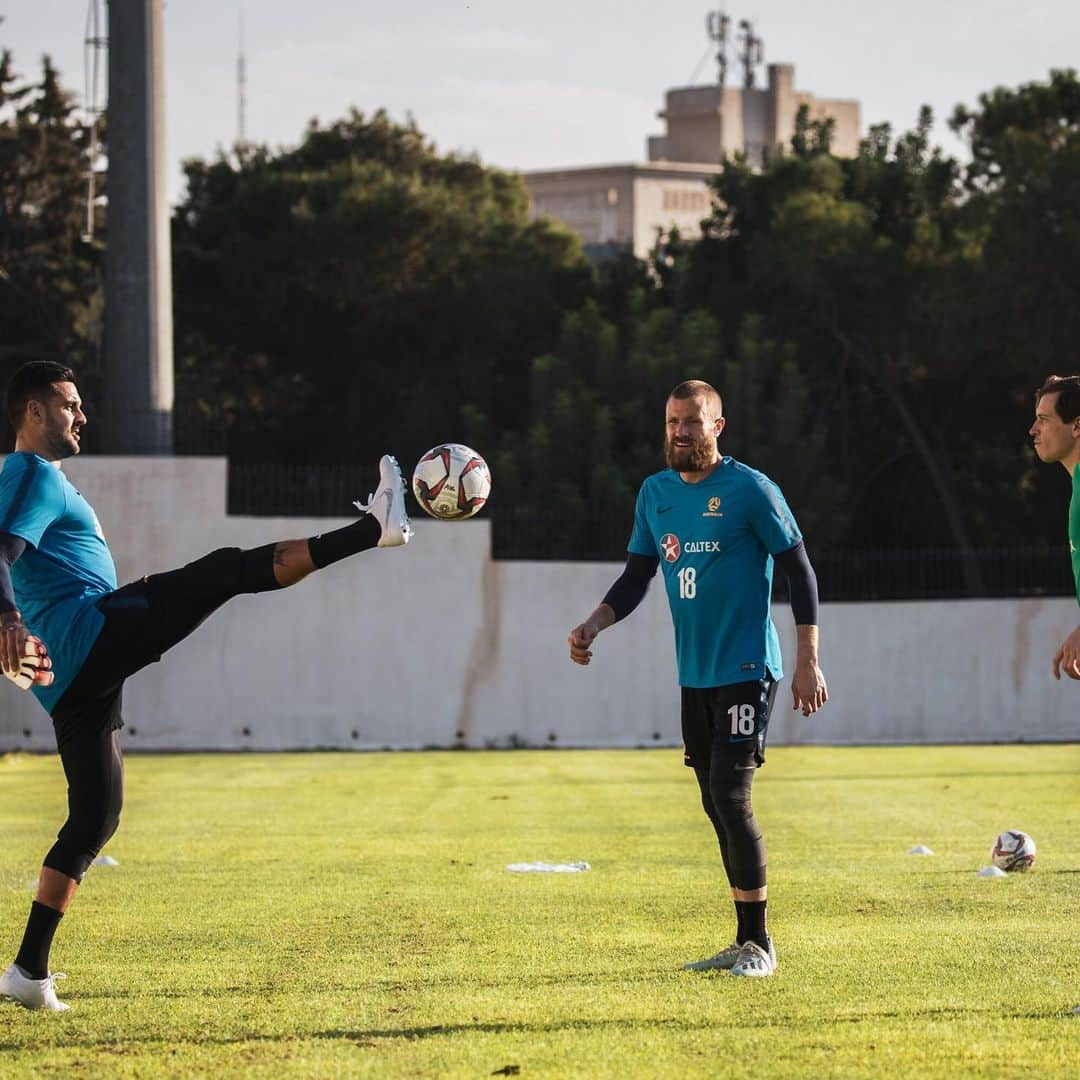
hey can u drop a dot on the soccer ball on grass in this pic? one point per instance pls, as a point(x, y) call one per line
point(1013, 851)
point(451, 482)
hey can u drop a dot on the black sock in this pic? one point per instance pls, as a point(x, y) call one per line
point(359, 536)
point(33, 955)
point(751, 915)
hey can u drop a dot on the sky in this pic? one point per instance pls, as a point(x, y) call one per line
point(553, 84)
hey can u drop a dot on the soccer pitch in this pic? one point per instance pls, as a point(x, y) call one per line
point(350, 914)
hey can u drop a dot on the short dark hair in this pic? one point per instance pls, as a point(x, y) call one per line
point(33, 382)
point(1067, 388)
point(699, 388)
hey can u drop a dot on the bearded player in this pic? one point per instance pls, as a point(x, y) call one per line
point(716, 526)
point(69, 634)
point(1056, 435)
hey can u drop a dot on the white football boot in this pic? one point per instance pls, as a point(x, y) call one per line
point(32, 993)
point(724, 960)
point(387, 504)
point(754, 961)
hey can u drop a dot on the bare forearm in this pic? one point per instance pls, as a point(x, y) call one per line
point(601, 618)
point(806, 649)
point(808, 689)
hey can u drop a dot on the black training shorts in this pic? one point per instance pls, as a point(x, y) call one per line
point(727, 722)
point(142, 621)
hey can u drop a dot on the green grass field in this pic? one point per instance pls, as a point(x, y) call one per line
point(348, 915)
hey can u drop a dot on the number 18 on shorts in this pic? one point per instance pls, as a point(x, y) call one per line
point(727, 721)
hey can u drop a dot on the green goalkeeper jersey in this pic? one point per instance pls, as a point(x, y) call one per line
point(1074, 529)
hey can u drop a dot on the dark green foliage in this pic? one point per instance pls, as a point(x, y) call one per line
point(51, 292)
point(874, 324)
point(362, 292)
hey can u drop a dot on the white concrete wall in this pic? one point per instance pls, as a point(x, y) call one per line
point(437, 645)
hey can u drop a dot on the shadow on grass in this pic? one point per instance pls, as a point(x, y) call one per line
point(371, 1037)
point(863, 778)
point(973, 872)
point(380, 986)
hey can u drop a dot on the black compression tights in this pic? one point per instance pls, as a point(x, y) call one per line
point(725, 796)
point(95, 776)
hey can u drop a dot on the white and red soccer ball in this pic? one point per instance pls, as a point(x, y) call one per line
point(451, 482)
point(1013, 851)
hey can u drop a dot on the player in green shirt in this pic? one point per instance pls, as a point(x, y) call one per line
point(1056, 432)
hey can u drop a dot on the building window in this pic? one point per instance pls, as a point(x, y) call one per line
point(680, 199)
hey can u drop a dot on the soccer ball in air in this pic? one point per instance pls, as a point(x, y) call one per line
point(451, 482)
point(1013, 851)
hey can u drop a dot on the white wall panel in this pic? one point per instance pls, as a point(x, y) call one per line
point(437, 645)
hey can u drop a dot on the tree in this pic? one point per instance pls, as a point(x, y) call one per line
point(843, 259)
point(360, 291)
point(51, 292)
point(1024, 293)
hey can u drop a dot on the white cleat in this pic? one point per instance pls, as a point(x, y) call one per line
point(754, 961)
point(387, 504)
point(724, 960)
point(32, 993)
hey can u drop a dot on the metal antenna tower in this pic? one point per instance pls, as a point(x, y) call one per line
point(718, 27)
point(751, 51)
point(241, 89)
point(94, 43)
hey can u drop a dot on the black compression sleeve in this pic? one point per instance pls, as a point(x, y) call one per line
point(802, 584)
point(629, 590)
point(11, 547)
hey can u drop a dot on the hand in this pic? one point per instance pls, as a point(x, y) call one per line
point(13, 636)
point(1067, 658)
point(34, 667)
point(808, 689)
point(581, 637)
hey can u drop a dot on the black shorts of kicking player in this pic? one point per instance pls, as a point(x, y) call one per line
point(727, 723)
point(142, 621)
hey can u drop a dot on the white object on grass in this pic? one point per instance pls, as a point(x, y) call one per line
point(991, 871)
point(104, 860)
point(548, 868)
point(920, 849)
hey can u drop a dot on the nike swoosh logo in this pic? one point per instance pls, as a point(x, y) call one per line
point(663, 509)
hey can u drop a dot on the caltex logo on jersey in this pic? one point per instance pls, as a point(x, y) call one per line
point(670, 546)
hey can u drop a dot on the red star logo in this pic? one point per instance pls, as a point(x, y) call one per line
point(669, 544)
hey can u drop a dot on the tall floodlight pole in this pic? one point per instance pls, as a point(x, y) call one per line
point(138, 370)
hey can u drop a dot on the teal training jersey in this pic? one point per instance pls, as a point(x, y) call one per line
point(1074, 529)
point(715, 541)
point(66, 565)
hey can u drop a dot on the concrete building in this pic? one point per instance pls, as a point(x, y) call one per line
point(624, 206)
point(614, 207)
point(705, 123)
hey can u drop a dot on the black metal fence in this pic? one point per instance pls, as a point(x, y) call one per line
point(925, 574)
point(939, 573)
point(298, 490)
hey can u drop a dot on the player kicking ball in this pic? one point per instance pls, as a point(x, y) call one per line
point(72, 637)
point(716, 526)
